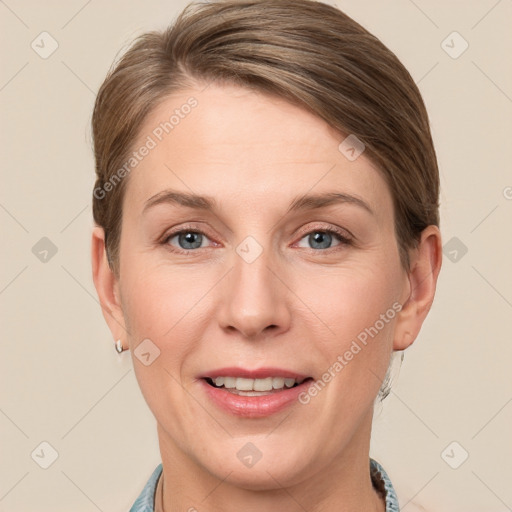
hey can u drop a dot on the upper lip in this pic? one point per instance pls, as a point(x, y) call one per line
point(259, 373)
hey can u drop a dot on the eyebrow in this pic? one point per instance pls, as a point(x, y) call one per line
point(313, 201)
point(181, 198)
point(300, 203)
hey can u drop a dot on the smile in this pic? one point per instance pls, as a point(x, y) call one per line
point(253, 393)
point(253, 387)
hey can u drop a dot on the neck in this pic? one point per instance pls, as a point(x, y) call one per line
point(345, 484)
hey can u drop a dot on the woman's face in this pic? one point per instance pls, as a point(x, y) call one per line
point(262, 282)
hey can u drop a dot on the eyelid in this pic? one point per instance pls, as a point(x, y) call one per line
point(344, 234)
point(170, 233)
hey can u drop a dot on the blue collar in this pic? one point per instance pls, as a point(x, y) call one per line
point(146, 501)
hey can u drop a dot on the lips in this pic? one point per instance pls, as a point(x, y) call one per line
point(260, 373)
point(253, 393)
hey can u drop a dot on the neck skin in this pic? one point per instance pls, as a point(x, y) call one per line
point(345, 485)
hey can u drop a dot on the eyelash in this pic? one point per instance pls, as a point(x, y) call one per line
point(339, 234)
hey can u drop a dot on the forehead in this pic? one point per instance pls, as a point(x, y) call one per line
point(227, 139)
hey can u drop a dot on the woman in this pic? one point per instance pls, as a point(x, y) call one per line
point(267, 238)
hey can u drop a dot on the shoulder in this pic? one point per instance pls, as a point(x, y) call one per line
point(382, 483)
point(146, 500)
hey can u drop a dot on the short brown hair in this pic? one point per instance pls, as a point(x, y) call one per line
point(307, 52)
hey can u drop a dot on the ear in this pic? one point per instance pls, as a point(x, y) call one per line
point(425, 265)
point(107, 286)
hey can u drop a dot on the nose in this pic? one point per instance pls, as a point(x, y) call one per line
point(254, 298)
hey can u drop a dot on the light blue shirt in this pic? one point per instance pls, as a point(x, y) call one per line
point(146, 501)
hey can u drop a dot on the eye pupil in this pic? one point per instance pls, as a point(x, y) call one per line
point(324, 239)
point(188, 238)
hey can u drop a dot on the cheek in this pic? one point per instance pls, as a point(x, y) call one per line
point(170, 307)
point(158, 305)
point(158, 297)
point(357, 308)
point(351, 300)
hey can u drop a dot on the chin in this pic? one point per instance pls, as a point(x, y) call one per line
point(259, 470)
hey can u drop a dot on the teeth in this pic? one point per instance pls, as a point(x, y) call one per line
point(289, 382)
point(229, 382)
point(278, 382)
point(262, 384)
point(243, 384)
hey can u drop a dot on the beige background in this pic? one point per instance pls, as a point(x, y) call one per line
point(63, 383)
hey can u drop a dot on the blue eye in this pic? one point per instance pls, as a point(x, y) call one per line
point(323, 238)
point(187, 239)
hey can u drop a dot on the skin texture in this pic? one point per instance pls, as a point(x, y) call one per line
point(298, 306)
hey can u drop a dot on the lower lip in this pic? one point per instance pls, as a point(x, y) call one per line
point(254, 406)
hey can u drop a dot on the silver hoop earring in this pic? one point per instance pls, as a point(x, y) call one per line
point(119, 346)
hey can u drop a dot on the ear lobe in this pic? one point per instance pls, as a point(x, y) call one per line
point(107, 286)
point(425, 267)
